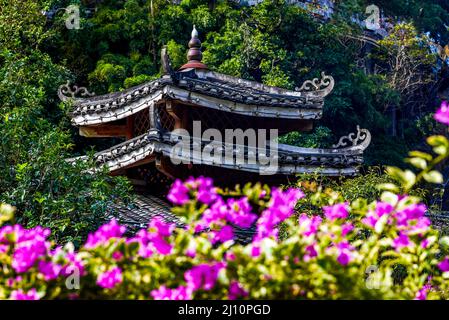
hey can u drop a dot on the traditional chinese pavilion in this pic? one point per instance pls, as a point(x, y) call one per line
point(146, 116)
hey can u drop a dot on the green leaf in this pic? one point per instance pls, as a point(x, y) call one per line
point(439, 143)
point(417, 163)
point(433, 177)
point(388, 187)
point(422, 155)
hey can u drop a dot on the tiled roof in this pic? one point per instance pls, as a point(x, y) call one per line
point(194, 86)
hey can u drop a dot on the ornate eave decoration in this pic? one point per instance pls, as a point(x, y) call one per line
point(68, 91)
point(325, 85)
point(357, 141)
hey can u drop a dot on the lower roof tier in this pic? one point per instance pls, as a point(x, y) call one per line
point(274, 159)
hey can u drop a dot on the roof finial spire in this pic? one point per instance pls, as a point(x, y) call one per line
point(194, 55)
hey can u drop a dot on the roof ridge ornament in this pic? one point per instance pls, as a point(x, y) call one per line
point(166, 61)
point(66, 92)
point(326, 83)
point(194, 55)
point(357, 141)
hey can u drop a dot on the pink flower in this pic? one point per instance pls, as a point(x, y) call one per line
point(337, 211)
point(255, 250)
point(346, 228)
point(230, 256)
point(106, 232)
point(110, 278)
point(402, 241)
point(179, 193)
point(310, 252)
point(280, 208)
point(372, 217)
point(239, 213)
point(74, 265)
point(30, 245)
point(206, 191)
point(20, 295)
point(4, 248)
point(425, 243)
point(411, 212)
point(49, 270)
point(117, 256)
point(444, 265)
point(164, 293)
point(213, 216)
point(421, 294)
point(224, 234)
point(203, 276)
point(236, 291)
point(202, 187)
point(442, 114)
point(12, 281)
point(344, 253)
point(154, 239)
point(309, 226)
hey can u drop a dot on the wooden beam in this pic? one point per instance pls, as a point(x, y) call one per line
point(130, 127)
point(104, 131)
point(174, 112)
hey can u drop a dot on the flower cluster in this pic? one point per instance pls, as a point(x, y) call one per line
point(200, 277)
point(200, 188)
point(27, 245)
point(280, 208)
point(154, 239)
point(216, 218)
point(442, 114)
point(322, 254)
point(111, 230)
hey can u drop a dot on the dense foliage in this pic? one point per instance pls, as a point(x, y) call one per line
point(34, 140)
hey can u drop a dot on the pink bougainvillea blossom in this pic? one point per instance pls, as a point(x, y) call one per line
point(31, 244)
point(106, 232)
point(179, 193)
point(337, 211)
point(21, 295)
point(226, 233)
point(202, 187)
point(239, 213)
point(346, 228)
point(203, 276)
point(154, 239)
point(179, 293)
point(236, 291)
point(444, 265)
point(280, 208)
point(309, 225)
point(344, 252)
point(442, 114)
point(373, 216)
point(401, 241)
point(109, 279)
point(310, 252)
point(49, 270)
